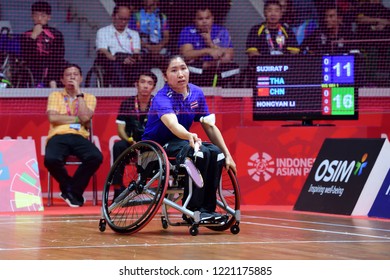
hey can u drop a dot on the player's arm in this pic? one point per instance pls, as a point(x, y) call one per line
point(171, 122)
point(215, 136)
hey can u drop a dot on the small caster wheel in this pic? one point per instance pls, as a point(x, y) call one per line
point(235, 229)
point(164, 223)
point(102, 225)
point(194, 230)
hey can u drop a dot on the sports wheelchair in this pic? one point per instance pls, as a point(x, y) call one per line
point(151, 181)
point(95, 76)
point(14, 72)
point(101, 74)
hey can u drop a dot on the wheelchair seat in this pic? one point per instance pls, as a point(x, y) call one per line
point(152, 182)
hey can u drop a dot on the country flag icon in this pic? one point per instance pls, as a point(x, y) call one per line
point(262, 81)
point(263, 92)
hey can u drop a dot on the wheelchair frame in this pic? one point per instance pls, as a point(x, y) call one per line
point(151, 182)
point(19, 74)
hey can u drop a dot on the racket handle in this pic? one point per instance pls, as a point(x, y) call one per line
point(215, 80)
point(196, 147)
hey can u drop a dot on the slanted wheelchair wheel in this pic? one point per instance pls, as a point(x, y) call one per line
point(94, 77)
point(21, 75)
point(144, 168)
point(228, 202)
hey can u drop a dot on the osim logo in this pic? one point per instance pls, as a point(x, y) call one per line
point(339, 170)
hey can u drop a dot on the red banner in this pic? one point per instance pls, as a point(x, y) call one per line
point(273, 161)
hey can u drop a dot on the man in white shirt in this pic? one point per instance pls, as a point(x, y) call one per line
point(119, 49)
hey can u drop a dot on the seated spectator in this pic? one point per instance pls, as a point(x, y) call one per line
point(373, 20)
point(271, 37)
point(132, 119)
point(291, 18)
point(153, 29)
point(329, 38)
point(42, 47)
point(70, 112)
point(208, 50)
point(347, 8)
point(288, 13)
point(119, 48)
point(373, 27)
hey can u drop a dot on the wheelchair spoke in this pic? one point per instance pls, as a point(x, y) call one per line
point(143, 169)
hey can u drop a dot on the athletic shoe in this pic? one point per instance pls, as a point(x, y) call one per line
point(217, 216)
point(211, 216)
point(71, 199)
point(206, 216)
point(80, 198)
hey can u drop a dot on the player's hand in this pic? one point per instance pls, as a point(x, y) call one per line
point(230, 164)
point(217, 53)
point(206, 35)
point(110, 57)
point(129, 60)
point(37, 30)
point(194, 139)
point(75, 85)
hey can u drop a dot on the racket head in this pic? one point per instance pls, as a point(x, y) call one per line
point(193, 172)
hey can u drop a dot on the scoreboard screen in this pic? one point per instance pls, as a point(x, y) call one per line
point(304, 87)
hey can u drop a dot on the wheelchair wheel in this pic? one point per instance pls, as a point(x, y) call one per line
point(18, 74)
point(145, 178)
point(94, 77)
point(228, 202)
point(22, 77)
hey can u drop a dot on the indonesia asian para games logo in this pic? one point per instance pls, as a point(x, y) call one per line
point(261, 167)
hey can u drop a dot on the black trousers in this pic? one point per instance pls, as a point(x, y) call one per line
point(118, 74)
point(209, 163)
point(58, 148)
point(117, 150)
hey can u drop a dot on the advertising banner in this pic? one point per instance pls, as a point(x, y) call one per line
point(274, 162)
point(381, 206)
point(345, 177)
point(20, 187)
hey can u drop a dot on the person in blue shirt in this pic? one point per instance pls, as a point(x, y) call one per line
point(207, 48)
point(174, 109)
point(152, 26)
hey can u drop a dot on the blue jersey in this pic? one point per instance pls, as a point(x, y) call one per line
point(167, 101)
point(219, 35)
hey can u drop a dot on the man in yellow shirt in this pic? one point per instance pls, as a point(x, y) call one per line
point(69, 112)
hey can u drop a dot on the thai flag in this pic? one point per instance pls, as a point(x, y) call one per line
point(194, 104)
point(263, 81)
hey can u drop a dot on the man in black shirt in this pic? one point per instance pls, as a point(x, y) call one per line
point(330, 37)
point(43, 48)
point(132, 118)
point(272, 37)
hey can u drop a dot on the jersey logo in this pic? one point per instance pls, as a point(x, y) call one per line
point(194, 104)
